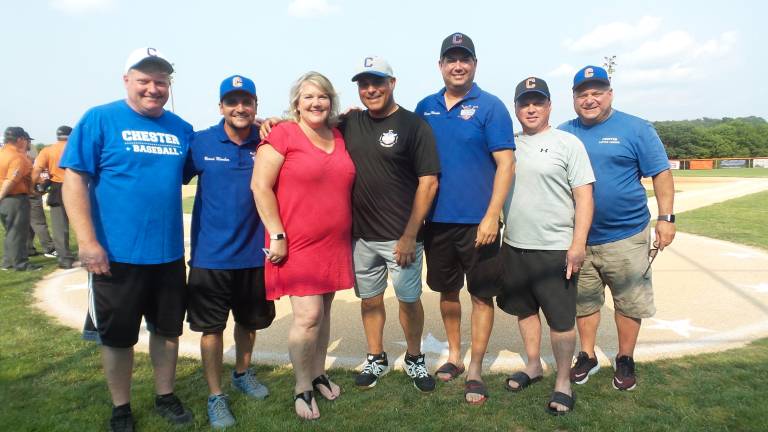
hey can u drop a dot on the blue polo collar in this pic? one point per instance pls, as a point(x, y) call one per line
point(473, 93)
point(221, 134)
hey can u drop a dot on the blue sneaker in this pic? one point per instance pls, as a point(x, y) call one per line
point(218, 412)
point(249, 385)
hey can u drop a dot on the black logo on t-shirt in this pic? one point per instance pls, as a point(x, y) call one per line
point(388, 139)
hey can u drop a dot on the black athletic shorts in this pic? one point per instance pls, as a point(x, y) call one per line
point(116, 303)
point(451, 254)
point(213, 293)
point(535, 279)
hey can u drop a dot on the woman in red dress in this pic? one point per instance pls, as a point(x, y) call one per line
point(302, 183)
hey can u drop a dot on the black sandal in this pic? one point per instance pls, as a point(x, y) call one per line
point(564, 400)
point(307, 396)
point(322, 380)
point(522, 380)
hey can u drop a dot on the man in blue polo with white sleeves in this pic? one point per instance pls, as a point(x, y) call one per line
point(475, 143)
point(227, 263)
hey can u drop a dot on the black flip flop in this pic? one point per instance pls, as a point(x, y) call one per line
point(563, 399)
point(522, 379)
point(307, 397)
point(322, 380)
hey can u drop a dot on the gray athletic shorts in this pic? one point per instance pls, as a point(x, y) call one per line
point(372, 259)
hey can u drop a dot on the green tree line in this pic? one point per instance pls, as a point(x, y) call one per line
point(714, 138)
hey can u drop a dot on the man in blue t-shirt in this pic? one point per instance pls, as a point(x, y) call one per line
point(475, 142)
point(122, 190)
point(227, 265)
point(622, 149)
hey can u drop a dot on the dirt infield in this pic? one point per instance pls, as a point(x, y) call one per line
point(711, 295)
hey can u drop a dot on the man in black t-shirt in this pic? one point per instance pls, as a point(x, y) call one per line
point(397, 165)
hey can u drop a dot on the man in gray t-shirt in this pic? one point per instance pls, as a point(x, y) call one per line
point(548, 214)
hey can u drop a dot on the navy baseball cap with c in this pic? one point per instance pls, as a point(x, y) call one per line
point(532, 85)
point(458, 40)
point(237, 83)
point(590, 74)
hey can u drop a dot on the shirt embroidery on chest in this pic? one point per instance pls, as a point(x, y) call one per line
point(388, 139)
point(467, 111)
point(429, 113)
point(609, 140)
point(216, 158)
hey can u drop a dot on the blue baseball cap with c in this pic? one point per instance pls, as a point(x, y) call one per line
point(590, 74)
point(237, 83)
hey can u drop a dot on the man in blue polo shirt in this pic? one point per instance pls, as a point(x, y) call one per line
point(622, 149)
point(122, 192)
point(227, 265)
point(475, 142)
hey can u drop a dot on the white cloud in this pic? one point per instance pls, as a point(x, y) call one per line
point(668, 46)
point(563, 70)
point(680, 46)
point(80, 6)
point(717, 47)
point(661, 75)
point(612, 34)
point(311, 8)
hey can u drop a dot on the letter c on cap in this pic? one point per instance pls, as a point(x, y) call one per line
point(589, 73)
point(237, 82)
point(151, 52)
point(458, 38)
point(368, 62)
point(530, 83)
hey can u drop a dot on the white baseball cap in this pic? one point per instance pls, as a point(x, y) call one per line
point(375, 66)
point(146, 55)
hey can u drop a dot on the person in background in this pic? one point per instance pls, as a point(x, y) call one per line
point(48, 162)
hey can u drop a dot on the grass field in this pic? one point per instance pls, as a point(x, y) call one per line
point(741, 220)
point(723, 172)
point(50, 380)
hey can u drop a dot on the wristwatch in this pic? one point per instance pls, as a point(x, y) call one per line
point(667, 218)
point(277, 236)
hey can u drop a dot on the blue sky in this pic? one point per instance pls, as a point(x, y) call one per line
point(676, 59)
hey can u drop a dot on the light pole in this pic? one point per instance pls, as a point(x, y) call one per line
point(609, 64)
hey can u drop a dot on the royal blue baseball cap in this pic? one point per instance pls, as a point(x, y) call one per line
point(590, 74)
point(237, 83)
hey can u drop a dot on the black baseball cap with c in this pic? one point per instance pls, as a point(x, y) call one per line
point(532, 85)
point(458, 40)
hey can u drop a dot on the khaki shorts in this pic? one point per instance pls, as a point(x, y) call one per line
point(620, 265)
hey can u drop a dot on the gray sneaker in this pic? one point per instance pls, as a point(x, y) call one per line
point(249, 385)
point(218, 412)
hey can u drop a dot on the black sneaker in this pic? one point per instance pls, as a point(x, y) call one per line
point(29, 267)
point(170, 408)
point(375, 366)
point(122, 420)
point(584, 367)
point(417, 370)
point(624, 376)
